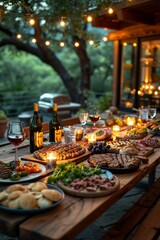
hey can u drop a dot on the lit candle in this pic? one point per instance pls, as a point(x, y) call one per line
point(91, 138)
point(51, 159)
point(116, 128)
point(131, 121)
point(115, 131)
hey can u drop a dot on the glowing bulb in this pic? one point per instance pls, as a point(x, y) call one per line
point(110, 10)
point(47, 43)
point(19, 36)
point(62, 44)
point(134, 44)
point(33, 40)
point(158, 87)
point(156, 93)
point(89, 19)
point(62, 23)
point(31, 21)
point(125, 44)
point(76, 44)
point(91, 42)
point(105, 39)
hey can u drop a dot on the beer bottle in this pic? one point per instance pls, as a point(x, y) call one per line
point(55, 129)
point(36, 131)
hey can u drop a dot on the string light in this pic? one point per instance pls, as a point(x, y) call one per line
point(124, 44)
point(134, 44)
point(91, 42)
point(33, 40)
point(76, 44)
point(61, 44)
point(32, 21)
point(89, 18)
point(19, 36)
point(47, 43)
point(110, 10)
point(62, 22)
point(105, 39)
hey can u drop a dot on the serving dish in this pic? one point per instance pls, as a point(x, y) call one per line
point(27, 178)
point(36, 210)
point(98, 193)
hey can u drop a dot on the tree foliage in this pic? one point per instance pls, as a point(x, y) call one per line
point(15, 17)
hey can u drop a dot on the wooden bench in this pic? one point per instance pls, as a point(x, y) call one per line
point(141, 221)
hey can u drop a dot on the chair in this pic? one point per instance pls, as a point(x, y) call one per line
point(45, 126)
point(70, 121)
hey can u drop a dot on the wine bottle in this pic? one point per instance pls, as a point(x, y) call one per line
point(36, 131)
point(55, 129)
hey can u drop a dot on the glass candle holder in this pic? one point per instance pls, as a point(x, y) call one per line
point(91, 138)
point(79, 133)
point(115, 131)
point(131, 121)
point(51, 159)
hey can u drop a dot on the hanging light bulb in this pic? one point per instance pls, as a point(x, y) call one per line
point(110, 10)
point(76, 44)
point(61, 44)
point(89, 18)
point(33, 40)
point(91, 42)
point(19, 36)
point(62, 22)
point(105, 39)
point(32, 21)
point(47, 43)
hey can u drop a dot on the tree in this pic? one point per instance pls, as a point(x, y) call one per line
point(26, 20)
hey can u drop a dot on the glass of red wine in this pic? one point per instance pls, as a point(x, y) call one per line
point(15, 135)
point(94, 114)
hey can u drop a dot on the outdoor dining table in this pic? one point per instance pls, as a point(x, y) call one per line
point(73, 214)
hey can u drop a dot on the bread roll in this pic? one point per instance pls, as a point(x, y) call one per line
point(13, 203)
point(27, 201)
point(3, 195)
point(52, 194)
point(44, 202)
point(15, 187)
point(14, 195)
point(37, 186)
point(37, 195)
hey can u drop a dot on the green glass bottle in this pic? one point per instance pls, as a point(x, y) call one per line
point(55, 129)
point(36, 131)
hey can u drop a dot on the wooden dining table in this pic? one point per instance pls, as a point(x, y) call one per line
point(73, 214)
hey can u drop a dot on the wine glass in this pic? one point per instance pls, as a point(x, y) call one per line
point(83, 118)
point(152, 112)
point(15, 135)
point(94, 114)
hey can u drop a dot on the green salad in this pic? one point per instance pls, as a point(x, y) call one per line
point(67, 172)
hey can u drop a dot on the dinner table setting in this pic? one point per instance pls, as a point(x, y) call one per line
point(96, 162)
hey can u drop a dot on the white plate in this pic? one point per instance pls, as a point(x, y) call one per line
point(27, 178)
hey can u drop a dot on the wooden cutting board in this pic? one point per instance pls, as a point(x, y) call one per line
point(78, 159)
point(85, 193)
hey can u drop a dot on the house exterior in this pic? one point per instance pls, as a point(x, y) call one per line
point(136, 35)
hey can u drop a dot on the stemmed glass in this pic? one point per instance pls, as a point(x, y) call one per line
point(94, 114)
point(83, 118)
point(15, 136)
point(152, 112)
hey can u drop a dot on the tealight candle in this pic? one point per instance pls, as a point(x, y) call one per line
point(115, 131)
point(116, 128)
point(79, 133)
point(51, 159)
point(91, 138)
point(131, 121)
